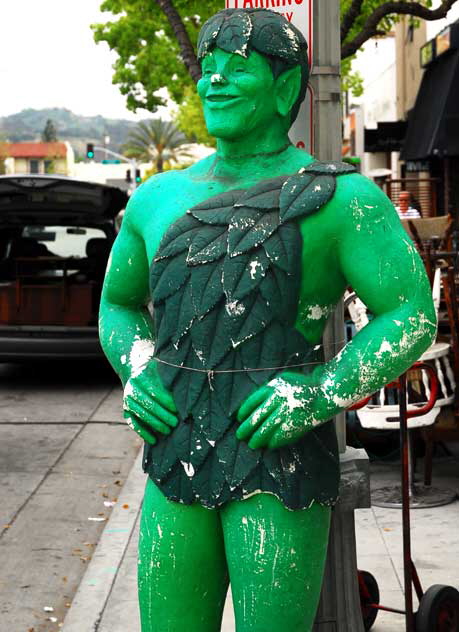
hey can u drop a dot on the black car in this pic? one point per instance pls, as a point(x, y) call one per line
point(55, 238)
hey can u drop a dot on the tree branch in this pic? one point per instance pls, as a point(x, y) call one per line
point(350, 17)
point(186, 47)
point(401, 8)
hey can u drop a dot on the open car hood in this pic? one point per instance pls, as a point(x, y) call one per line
point(32, 198)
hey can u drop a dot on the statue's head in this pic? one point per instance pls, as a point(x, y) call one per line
point(254, 69)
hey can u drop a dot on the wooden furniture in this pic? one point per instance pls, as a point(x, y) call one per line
point(438, 356)
point(434, 240)
point(44, 293)
point(431, 236)
point(382, 406)
point(377, 414)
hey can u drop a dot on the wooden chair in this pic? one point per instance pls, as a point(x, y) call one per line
point(431, 236)
point(382, 407)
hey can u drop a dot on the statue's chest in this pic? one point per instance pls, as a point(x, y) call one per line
point(229, 251)
point(225, 286)
point(239, 241)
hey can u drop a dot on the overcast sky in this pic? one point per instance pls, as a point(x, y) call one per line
point(48, 58)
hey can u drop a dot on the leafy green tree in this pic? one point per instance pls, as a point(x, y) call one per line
point(155, 40)
point(150, 54)
point(350, 81)
point(156, 141)
point(49, 134)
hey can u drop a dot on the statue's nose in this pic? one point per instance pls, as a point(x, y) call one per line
point(217, 78)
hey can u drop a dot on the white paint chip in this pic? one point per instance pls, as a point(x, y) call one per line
point(141, 353)
point(288, 392)
point(189, 469)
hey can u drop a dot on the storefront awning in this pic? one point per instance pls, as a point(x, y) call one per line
point(433, 124)
point(386, 137)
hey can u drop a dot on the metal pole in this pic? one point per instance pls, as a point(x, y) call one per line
point(339, 609)
point(404, 450)
point(131, 162)
point(326, 84)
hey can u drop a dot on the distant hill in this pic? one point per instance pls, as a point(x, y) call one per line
point(28, 125)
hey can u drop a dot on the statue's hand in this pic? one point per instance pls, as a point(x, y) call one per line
point(148, 407)
point(280, 412)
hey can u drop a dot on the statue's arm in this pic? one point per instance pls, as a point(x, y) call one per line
point(378, 260)
point(126, 333)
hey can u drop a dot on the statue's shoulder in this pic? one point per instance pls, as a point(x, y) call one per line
point(311, 188)
point(355, 188)
point(328, 168)
point(149, 199)
point(161, 185)
point(360, 204)
point(160, 182)
point(157, 199)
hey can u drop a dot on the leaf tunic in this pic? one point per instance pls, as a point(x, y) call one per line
point(225, 287)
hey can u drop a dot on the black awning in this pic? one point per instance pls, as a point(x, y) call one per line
point(432, 123)
point(387, 137)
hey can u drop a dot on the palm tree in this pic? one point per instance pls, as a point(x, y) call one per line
point(156, 141)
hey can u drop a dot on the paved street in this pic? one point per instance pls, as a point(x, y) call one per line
point(64, 452)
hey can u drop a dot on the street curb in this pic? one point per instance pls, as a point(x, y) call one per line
point(89, 603)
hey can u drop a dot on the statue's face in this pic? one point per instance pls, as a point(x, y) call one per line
point(237, 93)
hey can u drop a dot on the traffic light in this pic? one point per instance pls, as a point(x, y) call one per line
point(138, 177)
point(128, 175)
point(90, 151)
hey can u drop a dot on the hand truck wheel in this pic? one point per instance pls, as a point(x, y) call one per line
point(438, 610)
point(369, 594)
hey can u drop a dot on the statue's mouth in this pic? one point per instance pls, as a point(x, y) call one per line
point(221, 98)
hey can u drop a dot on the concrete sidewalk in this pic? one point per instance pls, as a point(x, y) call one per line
point(106, 600)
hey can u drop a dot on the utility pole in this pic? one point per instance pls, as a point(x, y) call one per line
point(327, 133)
point(339, 609)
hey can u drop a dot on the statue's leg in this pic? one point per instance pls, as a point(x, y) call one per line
point(182, 573)
point(276, 560)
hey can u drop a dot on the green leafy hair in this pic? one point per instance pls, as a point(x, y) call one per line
point(269, 33)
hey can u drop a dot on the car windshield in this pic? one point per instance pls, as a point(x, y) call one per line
point(63, 241)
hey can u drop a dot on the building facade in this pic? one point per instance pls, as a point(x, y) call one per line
point(38, 158)
point(410, 112)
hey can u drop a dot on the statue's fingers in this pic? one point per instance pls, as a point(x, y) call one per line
point(249, 426)
point(165, 416)
point(141, 430)
point(262, 436)
point(253, 402)
point(145, 416)
point(166, 400)
point(150, 402)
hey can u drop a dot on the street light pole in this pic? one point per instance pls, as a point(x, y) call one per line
point(132, 162)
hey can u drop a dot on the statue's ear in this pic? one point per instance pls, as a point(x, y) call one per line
point(288, 86)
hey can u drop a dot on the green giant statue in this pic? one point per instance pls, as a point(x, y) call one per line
point(243, 257)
